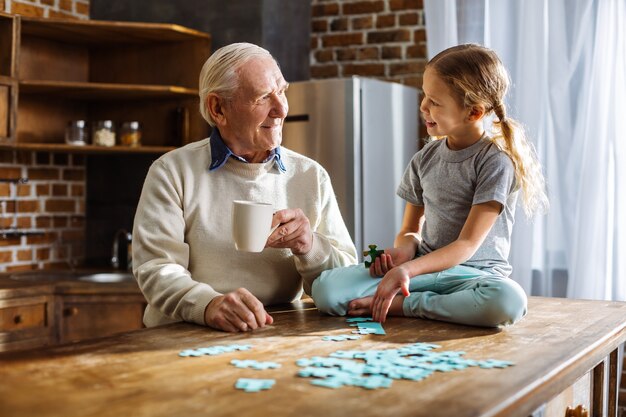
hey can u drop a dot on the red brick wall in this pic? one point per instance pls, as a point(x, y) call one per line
point(51, 203)
point(69, 9)
point(384, 39)
point(53, 200)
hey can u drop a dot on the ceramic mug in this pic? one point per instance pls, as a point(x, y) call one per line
point(252, 225)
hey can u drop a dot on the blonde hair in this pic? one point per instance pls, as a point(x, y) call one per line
point(478, 77)
point(219, 72)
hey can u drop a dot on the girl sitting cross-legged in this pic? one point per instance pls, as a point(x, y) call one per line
point(449, 260)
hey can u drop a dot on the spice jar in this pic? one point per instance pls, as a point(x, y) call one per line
point(76, 132)
point(130, 134)
point(103, 133)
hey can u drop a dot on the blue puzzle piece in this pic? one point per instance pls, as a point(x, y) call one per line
point(373, 382)
point(332, 382)
point(254, 385)
point(359, 319)
point(213, 350)
point(371, 327)
point(363, 330)
point(320, 372)
point(254, 364)
point(190, 353)
point(340, 338)
point(494, 363)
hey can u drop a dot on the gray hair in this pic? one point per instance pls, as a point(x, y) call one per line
point(219, 72)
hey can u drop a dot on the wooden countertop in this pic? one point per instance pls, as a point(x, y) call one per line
point(60, 282)
point(141, 374)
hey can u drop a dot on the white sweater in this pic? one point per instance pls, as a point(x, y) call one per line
point(183, 252)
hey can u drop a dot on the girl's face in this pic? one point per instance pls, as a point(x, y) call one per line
point(441, 110)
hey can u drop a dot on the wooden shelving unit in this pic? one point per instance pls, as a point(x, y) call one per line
point(53, 71)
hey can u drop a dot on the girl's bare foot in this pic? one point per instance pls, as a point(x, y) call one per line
point(363, 306)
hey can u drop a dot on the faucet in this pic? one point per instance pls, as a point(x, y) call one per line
point(115, 256)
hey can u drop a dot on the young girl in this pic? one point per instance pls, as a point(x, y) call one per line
point(449, 260)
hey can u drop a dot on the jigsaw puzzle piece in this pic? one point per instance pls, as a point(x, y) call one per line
point(373, 253)
point(368, 327)
point(340, 338)
point(249, 363)
point(254, 385)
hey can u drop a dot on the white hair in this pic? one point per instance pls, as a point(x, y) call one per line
point(219, 72)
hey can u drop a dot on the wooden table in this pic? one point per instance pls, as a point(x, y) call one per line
point(141, 374)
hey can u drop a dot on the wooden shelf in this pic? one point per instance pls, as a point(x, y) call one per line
point(86, 149)
point(99, 91)
point(54, 71)
point(105, 32)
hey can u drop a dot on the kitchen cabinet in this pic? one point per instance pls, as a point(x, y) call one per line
point(53, 307)
point(26, 322)
point(53, 71)
point(89, 316)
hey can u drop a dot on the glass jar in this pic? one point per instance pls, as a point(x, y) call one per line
point(104, 133)
point(76, 133)
point(130, 134)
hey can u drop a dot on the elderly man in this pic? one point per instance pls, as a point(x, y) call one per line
point(184, 258)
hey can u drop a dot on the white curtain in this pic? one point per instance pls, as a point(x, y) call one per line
point(567, 61)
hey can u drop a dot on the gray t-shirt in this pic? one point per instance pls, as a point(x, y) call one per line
point(447, 183)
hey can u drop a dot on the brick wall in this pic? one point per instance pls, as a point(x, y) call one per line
point(70, 9)
point(52, 202)
point(384, 39)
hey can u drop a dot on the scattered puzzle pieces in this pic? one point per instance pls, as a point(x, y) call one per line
point(254, 385)
point(213, 350)
point(254, 364)
point(373, 253)
point(340, 338)
point(374, 369)
point(369, 369)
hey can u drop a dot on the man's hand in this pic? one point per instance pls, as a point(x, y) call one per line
point(237, 311)
point(293, 232)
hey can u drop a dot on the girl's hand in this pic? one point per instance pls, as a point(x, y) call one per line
point(394, 281)
point(390, 259)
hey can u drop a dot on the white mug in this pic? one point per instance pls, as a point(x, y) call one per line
point(252, 223)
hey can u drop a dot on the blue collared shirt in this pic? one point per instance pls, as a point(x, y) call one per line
point(220, 153)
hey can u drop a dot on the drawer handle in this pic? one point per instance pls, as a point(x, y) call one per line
point(70, 311)
point(579, 411)
point(17, 319)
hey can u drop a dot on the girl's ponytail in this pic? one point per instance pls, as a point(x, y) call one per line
point(512, 141)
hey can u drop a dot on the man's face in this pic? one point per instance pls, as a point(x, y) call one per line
point(253, 118)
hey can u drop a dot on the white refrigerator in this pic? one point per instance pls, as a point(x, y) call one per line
point(364, 132)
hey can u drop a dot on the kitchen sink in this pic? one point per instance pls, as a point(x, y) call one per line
point(108, 277)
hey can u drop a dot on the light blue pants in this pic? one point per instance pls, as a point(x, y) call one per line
point(460, 294)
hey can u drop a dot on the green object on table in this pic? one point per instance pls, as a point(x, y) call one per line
point(373, 253)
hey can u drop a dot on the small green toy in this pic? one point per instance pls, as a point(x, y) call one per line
point(374, 253)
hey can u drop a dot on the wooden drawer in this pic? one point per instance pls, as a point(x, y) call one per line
point(22, 317)
point(26, 322)
point(86, 317)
